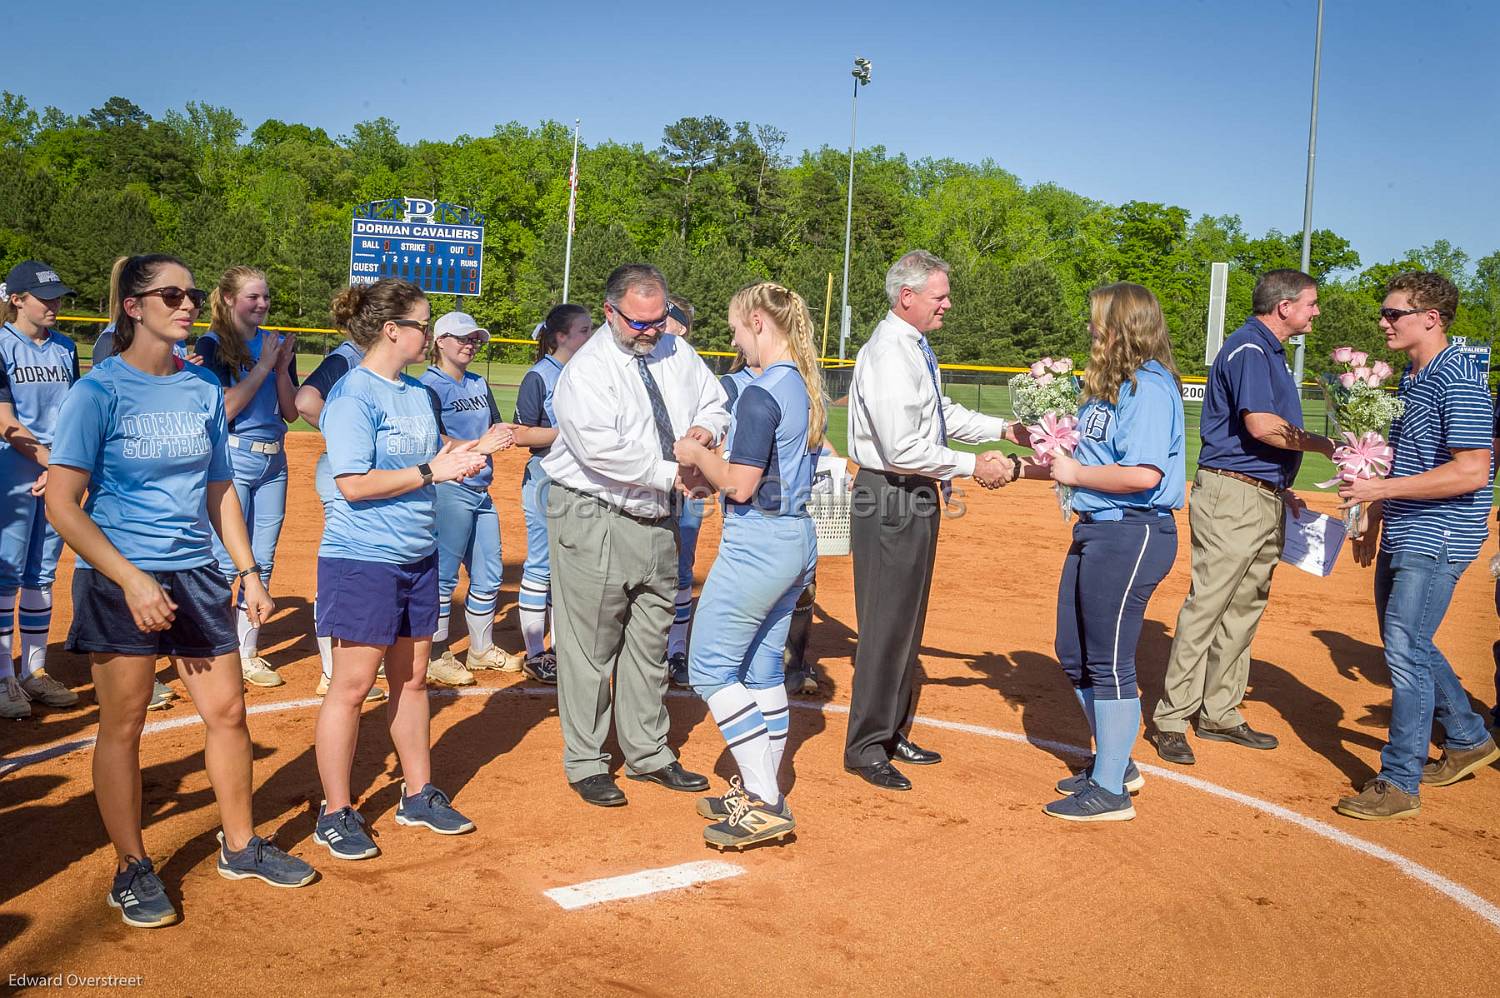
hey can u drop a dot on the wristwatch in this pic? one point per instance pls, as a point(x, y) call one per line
point(425, 470)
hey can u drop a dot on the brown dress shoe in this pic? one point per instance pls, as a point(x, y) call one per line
point(1380, 801)
point(1458, 763)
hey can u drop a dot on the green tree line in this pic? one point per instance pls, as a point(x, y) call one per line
point(715, 205)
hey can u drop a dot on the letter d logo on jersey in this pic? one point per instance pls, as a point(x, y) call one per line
point(1097, 423)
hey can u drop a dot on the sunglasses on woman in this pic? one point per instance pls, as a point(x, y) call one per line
point(425, 327)
point(172, 296)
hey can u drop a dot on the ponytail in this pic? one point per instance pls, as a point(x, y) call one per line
point(129, 277)
point(234, 352)
point(556, 323)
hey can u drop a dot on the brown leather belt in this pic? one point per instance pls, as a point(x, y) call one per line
point(1264, 486)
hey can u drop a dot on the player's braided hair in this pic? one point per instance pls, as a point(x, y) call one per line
point(234, 352)
point(788, 313)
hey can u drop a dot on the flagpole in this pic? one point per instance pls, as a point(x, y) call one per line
point(572, 210)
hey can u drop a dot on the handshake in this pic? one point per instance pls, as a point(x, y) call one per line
point(690, 451)
point(993, 469)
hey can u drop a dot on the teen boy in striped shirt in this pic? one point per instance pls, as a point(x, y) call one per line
point(1435, 510)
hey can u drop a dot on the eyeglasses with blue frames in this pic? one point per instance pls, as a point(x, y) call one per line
point(660, 325)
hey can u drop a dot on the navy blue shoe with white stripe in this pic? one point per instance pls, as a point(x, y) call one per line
point(142, 899)
point(430, 808)
point(343, 832)
point(1073, 784)
point(1092, 803)
point(263, 861)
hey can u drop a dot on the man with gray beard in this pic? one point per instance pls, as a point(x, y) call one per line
point(621, 403)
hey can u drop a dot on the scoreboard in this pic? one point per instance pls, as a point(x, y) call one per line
point(437, 246)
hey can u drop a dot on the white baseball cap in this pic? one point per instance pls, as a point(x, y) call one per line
point(456, 324)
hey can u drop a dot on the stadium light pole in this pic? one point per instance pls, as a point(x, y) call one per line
point(1312, 155)
point(861, 75)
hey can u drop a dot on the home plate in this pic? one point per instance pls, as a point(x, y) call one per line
point(634, 885)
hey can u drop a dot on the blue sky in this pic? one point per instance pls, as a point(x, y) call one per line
point(1201, 103)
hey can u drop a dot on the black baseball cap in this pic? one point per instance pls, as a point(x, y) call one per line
point(35, 278)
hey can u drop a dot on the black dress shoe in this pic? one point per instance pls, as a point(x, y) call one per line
point(674, 777)
point(1173, 747)
point(883, 775)
point(914, 754)
point(600, 790)
point(1240, 734)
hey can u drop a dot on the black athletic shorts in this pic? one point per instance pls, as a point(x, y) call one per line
point(203, 624)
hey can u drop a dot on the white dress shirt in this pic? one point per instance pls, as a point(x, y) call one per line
point(893, 410)
point(607, 445)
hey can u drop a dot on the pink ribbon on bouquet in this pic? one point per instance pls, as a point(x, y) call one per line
point(1052, 435)
point(1367, 456)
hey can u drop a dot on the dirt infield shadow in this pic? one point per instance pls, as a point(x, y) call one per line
point(1317, 720)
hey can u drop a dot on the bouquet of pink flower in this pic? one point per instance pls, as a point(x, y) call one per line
point(1362, 412)
point(1045, 399)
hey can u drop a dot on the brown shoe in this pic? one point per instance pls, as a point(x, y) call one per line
point(1458, 763)
point(1379, 801)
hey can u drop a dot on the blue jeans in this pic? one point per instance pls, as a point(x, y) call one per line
point(468, 534)
point(764, 563)
point(1412, 593)
point(260, 482)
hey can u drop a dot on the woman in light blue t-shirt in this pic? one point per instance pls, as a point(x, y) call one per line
point(377, 564)
point(143, 435)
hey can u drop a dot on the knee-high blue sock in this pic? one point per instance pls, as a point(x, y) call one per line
point(1085, 697)
point(1119, 721)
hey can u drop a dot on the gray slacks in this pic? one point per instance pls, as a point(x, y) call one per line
point(613, 583)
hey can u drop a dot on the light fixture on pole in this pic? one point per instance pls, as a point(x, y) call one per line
point(861, 75)
point(1300, 357)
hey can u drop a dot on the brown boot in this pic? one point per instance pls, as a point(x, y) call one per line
point(1379, 801)
point(1458, 763)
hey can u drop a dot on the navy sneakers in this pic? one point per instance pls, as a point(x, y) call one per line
point(430, 808)
point(138, 892)
point(1134, 781)
point(343, 832)
point(263, 861)
point(1092, 803)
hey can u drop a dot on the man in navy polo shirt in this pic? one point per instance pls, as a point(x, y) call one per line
point(1435, 506)
point(1253, 441)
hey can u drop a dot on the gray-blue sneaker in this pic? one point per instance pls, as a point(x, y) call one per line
point(343, 832)
point(1073, 784)
point(263, 861)
point(142, 899)
point(1092, 803)
point(162, 696)
point(430, 808)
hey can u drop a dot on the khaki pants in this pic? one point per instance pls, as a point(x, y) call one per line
point(1237, 533)
point(613, 583)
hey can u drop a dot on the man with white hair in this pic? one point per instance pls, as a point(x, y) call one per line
point(899, 427)
point(622, 402)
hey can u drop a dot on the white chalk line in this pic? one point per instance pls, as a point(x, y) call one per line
point(634, 885)
point(1455, 892)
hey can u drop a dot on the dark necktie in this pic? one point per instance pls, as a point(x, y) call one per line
point(932, 372)
point(658, 410)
